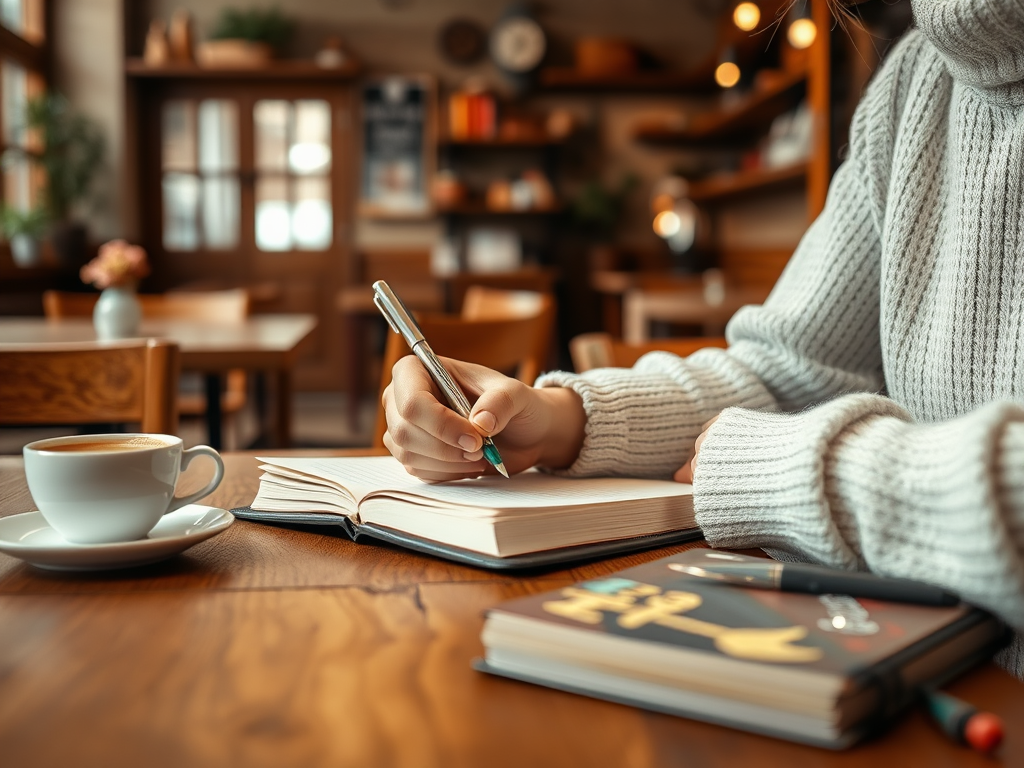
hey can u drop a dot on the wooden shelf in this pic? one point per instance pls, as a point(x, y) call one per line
point(721, 187)
point(568, 78)
point(500, 143)
point(752, 114)
point(285, 69)
point(479, 209)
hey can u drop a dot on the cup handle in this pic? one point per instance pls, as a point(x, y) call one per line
point(186, 458)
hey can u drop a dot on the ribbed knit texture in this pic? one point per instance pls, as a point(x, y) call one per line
point(872, 411)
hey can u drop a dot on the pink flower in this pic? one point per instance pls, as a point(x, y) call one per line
point(118, 263)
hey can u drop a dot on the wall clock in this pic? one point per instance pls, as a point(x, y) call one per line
point(462, 41)
point(518, 43)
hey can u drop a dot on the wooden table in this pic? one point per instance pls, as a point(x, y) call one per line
point(274, 647)
point(261, 343)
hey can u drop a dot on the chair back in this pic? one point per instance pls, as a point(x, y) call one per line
point(229, 306)
point(600, 350)
point(91, 383)
point(516, 345)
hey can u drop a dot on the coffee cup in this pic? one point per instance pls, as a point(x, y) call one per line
point(95, 489)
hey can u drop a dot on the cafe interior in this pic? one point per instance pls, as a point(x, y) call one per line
point(198, 200)
point(602, 183)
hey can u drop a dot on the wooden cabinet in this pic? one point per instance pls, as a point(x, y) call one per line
point(244, 178)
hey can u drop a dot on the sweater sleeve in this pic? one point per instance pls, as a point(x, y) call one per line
point(815, 337)
point(853, 483)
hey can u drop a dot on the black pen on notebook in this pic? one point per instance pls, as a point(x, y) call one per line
point(815, 580)
point(401, 321)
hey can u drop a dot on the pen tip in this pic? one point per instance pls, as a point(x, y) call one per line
point(501, 468)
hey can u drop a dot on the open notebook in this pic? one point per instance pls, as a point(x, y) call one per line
point(529, 520)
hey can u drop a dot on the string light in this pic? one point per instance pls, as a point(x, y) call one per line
point(746, 16)
point(802, 30)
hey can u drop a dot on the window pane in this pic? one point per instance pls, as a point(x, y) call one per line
point(11, 15)
point(181, 199)
point(273, 215)
point(15, 94)
point(218, 135)
point(311, 150)
point(271, 119)
point(179, 136)
point(220, 212)
point(18, 184)
point(311, 215)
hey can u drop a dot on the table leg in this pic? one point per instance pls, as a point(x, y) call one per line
point(283, 408)
point(213, 414)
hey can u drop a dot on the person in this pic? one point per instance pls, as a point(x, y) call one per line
point(870, 414)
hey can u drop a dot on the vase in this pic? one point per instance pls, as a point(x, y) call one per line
point(117, 313)
point(25, 251)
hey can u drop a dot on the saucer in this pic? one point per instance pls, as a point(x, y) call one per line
point(30, 538)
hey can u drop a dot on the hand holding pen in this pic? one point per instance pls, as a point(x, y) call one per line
point(434, 443)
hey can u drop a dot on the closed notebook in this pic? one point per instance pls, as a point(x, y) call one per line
point(531, 519)
point(825, 670)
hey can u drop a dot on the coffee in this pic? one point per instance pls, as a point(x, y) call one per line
point(87, 446)
point(97, 489)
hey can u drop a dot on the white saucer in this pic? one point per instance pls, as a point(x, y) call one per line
point(30, 538)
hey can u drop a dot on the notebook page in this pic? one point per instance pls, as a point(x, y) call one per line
point(383, 475)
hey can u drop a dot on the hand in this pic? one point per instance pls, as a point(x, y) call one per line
point(434, 443)
point(686, 472)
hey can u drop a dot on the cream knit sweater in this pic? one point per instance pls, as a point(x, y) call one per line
point(872, 411)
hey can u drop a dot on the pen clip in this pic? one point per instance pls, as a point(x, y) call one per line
point(387, 315)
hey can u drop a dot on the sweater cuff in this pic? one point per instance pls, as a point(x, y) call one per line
point(760, 477)
point(642, 421)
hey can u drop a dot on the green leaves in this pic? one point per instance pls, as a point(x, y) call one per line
point(259, 26)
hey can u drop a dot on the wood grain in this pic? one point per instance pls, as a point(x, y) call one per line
point(273, 647)
point(91, 383)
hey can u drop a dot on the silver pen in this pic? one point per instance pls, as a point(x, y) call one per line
point(401, 321)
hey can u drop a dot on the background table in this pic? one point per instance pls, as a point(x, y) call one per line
point(261, 343)
point(274, 647)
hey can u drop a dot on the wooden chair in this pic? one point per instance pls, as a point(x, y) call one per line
point(91, 383)
point(508, 333)
point(600, 350)
point(227, 306)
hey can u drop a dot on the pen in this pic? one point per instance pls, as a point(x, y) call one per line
point(401, 321)
point(816, 580)
point(963, 722)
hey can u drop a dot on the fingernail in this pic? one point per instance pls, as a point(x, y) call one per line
point(473, 455)
point(485, 420)
point(469, 442)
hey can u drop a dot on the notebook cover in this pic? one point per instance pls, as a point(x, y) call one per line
point(562, 556)
point(870, 645)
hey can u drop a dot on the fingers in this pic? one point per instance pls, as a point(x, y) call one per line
point(418, 420)
point(434, 469)
point(686, 473)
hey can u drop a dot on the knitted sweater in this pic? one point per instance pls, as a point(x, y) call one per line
point(872, 410)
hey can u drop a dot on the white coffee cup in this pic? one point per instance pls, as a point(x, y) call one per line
point(95, 489)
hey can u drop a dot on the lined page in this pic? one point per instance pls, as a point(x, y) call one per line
point(385, 476)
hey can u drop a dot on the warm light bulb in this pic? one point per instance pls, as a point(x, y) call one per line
point(802, 33)
point(666, 224)
point(727, 74)
point(746, 16)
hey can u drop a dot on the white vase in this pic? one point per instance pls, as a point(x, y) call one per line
point(25, 251)
point(117, 313)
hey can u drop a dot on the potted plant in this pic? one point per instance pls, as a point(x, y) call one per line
point(246, 38)
point(71, 150)
point(23, 230)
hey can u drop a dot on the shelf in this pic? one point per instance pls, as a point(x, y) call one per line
point(285, 69)
point(752, 114)
point(721, 187)
point(568, 78)
point(500, 143)
point(479, 209)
